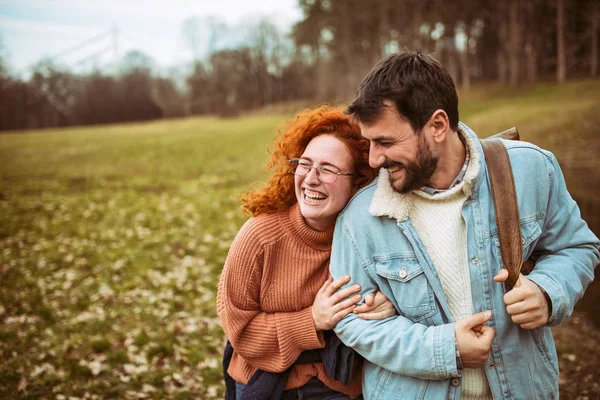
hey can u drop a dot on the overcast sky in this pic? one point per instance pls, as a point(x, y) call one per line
point(32, 29)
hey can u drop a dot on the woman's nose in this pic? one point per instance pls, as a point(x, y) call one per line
point(312, 177)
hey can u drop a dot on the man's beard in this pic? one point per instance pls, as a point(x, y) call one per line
point(417, 173)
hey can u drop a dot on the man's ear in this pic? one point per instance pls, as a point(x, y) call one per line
point(439, 125)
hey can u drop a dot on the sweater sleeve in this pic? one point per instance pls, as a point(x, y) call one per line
point(271, 341)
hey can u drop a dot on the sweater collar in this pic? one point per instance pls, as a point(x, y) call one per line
point(316, 239)
point(387, 202)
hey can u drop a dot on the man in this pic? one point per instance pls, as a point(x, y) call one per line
point(425, 234)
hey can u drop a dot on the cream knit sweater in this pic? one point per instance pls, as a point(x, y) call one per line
point(439, 222)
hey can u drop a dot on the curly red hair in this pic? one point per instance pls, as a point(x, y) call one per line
point(291, 142)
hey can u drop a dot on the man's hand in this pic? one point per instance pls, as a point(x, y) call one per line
point(525, 302)
point(330, 305)
point(474, 339)
point(376, 306)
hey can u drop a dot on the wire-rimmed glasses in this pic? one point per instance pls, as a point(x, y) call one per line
point(326, 173)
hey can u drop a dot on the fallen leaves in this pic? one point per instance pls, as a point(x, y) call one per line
point(112, 298)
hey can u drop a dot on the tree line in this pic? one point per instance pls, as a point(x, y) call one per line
point(323, 58)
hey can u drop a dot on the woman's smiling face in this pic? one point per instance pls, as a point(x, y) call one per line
point(321, 202)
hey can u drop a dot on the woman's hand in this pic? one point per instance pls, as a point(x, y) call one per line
point(330, 306)
point(376, 306)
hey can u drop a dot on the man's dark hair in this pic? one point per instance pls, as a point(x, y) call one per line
point(416, 83)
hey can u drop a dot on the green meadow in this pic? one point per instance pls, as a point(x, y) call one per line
point(112, 239)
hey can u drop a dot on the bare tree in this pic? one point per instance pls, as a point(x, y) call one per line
point(202, 34)
point(266, 45)
point(217, 28)
point(532, 40)
point(595, 21)
point(136, 60)
point(515, 40)
point(463, 33)
point(561, 59)
point(3, 63)
point(503, 51)
point(192, 34)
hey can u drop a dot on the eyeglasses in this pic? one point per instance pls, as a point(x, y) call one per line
point(326, 173)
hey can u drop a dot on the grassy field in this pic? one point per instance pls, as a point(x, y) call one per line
point(112, 240)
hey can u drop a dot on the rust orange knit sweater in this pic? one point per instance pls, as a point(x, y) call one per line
point(272, 274)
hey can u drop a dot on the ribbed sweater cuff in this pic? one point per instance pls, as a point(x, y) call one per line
point(299, 329)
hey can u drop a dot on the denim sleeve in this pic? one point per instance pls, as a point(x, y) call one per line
point(396, 343)
point(568, 250)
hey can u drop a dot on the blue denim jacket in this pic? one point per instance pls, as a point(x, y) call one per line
point(412, 355)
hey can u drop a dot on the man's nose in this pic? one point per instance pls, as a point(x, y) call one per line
point(376, 157)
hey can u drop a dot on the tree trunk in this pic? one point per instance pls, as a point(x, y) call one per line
point(321, 68)
point(464, 62)
point(502, 53)
point(514, 43)
point(451, 58)
point(561, 59)
point(345, 47)
point(532, 62)
point(594, 32)
point(418, 21)
point(533, 42)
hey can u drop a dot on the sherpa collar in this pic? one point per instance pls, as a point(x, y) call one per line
point(389, 203)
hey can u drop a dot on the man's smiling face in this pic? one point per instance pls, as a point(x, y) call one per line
point(395, 146)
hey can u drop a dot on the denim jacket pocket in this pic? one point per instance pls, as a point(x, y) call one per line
point(530, 232)
point(409, 284)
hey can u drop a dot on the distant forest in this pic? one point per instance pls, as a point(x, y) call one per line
point(322, 58)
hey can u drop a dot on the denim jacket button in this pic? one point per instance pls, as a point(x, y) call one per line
point(455, 382)
point(403, 274)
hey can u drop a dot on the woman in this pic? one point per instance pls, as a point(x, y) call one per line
point(272, 300)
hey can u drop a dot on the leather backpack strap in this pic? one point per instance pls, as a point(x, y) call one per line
point(505, 206)
point(509, 134)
